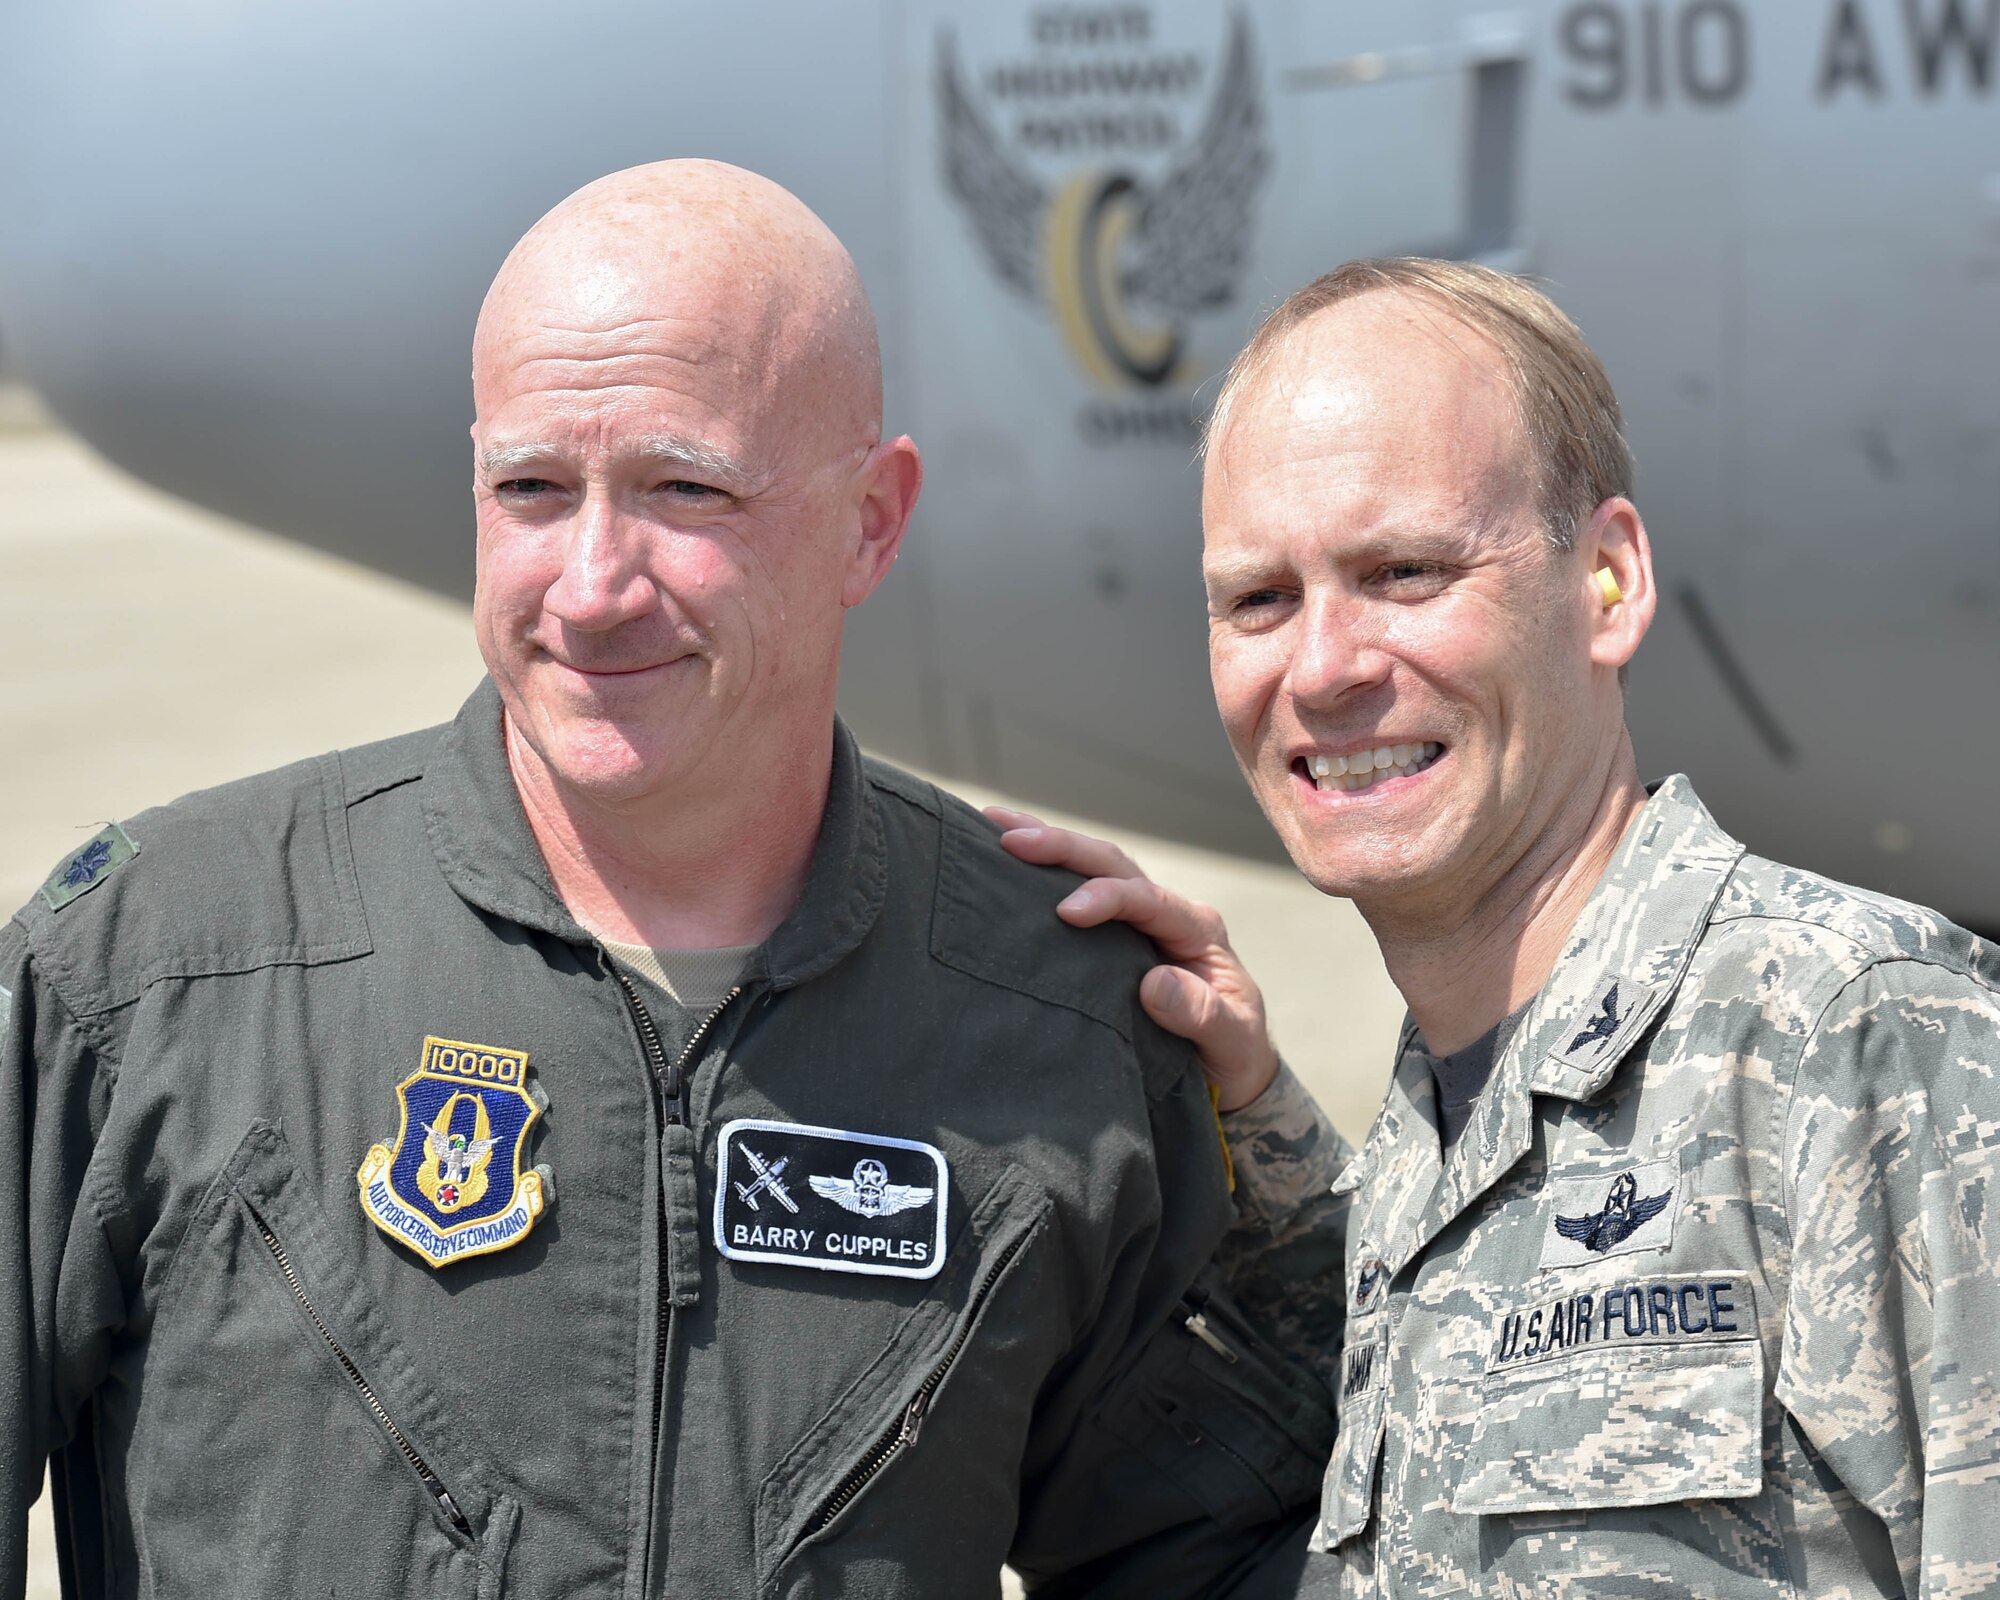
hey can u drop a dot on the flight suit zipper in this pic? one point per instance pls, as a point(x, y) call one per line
point(903, 1435)
point(1195, 1304)
point(671, 1077)
point(428, 1478)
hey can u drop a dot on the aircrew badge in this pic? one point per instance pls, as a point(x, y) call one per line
point(452, 1186)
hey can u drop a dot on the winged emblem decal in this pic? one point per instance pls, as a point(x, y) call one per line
point(869, 1193)
point(1123, 261)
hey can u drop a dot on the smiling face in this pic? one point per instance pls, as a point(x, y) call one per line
point(673, 459)
point(1402, 660)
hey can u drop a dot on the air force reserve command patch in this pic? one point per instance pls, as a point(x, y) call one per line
point(828, 1199)
point(452, 1186)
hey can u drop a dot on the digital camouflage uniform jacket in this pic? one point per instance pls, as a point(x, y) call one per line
point(1707, 1299)
point(252, 1389)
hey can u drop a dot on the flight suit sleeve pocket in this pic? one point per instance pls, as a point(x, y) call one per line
point(267, 1355)
point(1212, 1422)
point(1634, 1427)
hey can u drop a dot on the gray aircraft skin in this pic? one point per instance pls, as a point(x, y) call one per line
point(244, 245)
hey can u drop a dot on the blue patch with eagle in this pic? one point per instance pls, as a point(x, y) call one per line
point(452, 1184)
point(89, 865)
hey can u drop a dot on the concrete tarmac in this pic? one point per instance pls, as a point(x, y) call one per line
point(147, 649)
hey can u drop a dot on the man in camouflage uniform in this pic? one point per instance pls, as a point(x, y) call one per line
point(1670, 1264)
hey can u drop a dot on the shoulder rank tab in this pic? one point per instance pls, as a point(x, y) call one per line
point(451, 1186)
point(107, 850)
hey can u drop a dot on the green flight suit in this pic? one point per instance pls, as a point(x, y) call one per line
point(250, 1388)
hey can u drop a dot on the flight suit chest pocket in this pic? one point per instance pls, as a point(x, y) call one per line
point(284, 1444)
point(944, 1389)
point(1348, 1493)
point(1629, 1394)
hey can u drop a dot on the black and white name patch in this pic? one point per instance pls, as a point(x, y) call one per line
point(830, 1199)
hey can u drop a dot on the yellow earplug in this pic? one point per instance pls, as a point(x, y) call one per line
point(1609, 585)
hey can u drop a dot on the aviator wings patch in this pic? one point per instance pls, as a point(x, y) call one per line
point(1624, 1214)
point(869, 1193)
point(1590, 1220)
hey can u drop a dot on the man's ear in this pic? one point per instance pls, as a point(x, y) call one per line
point(1617, 553)
point(892, 476)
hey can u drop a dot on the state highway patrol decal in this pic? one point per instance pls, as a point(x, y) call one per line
point(452, 1186)
point(1109, 175)
point(829, 1199)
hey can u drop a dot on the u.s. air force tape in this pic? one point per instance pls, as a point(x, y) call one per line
point(830, 1199)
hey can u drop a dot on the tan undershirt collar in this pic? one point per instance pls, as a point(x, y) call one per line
point(697, 979)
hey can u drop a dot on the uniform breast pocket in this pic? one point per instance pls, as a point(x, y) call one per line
point(1347, 1495)
point(283, 1445)
point(911, 1474)
point(1636, 1395)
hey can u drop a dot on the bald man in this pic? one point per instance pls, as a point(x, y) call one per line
point(623, 1142)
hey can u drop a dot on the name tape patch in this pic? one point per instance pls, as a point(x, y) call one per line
point(1611, 1214)
point(1691, 1309)
point(1361, 1369)
point(829, 1199)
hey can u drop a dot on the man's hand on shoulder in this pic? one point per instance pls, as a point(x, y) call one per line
point(1202, 992)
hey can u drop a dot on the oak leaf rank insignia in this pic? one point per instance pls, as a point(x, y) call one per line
point(452, 1184)
point(85, 868)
